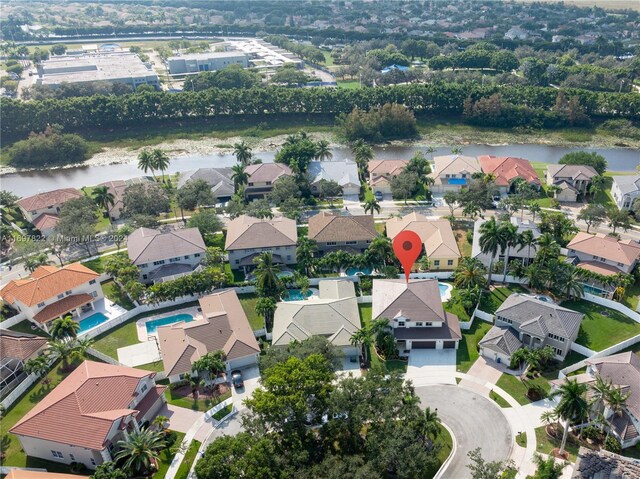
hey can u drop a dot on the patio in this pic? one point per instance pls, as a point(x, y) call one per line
point(139, 354)
point(101, 306)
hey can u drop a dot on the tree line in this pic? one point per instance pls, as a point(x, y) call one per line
point(438, 98)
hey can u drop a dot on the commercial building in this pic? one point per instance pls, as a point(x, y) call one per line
point(205, 62)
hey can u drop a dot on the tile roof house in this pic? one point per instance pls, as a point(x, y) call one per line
point(333, 314)
point(347, 233)
point(117, 189)
point(262, 177)
point(247, 237)
point(572, 179)
point(43, 209)
point(603, 464)
point(603, 254)
point(415, 314)
point(86, 415)
point(507, 169)
point(345, 173)
point(163, 256)
point(52, 292)
point(15, 350)
point(440, 244)
point(218, 178)
point(453, 172)
point(522, 253)
point(537, 324)
point(223, 326)
point(499, 344)
point(625, 190)
point(381, 172)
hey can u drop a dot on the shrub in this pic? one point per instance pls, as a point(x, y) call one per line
point(390, 122)
point(48, 148)
point(612, 445)
point(170, 438)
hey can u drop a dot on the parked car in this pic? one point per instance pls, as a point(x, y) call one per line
point(236, 379)
point(378, 195)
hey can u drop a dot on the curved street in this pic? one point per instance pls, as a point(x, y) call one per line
point(476, 421)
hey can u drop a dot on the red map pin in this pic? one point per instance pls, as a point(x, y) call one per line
point(407, 246)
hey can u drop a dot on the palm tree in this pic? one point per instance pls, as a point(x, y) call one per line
point(510, 237)
point(527, 239)
point(572, 406)
point(431, 424)
point(267, 281)
point(323, 152)
point(305, 250)
point(534, 208)
point(550, 416)
point(371, 205)
point(34, 261)
point(160, 161)
point(103, 198)
point(66, 327)
point(430, 151)
point(240, 176)
point(302, 283)
point(195, 383)
point(456, 150)
point(469, 274)
point(364, 338)
point(380, 250)
point(80, 347)
point(491, 241)
point(146, 162)
point(547, 468)
point(597, 185)
point(572, 283)
point(160, 422)
point(600, 390)
point(61, 350)
point(266, 307)
point(243, 153)
point(140, 450)
point(212, 363)
point(547, 248)
point(362, 153)
point(617, 400)
point(38, 366)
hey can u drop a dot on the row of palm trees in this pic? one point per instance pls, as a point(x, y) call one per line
point(153, 160)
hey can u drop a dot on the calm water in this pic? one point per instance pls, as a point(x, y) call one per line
point(152, 326)
point(92, 321)
point(29, 183)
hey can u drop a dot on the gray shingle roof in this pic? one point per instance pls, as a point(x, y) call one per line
point(575, 172)
point(627, 184)
point(146, 245)
point(219, 179)
point(503, 340)
point(604, 465)
point(540, 317)
point(342, 172)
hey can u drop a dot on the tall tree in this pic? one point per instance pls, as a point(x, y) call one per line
point(104, 199)
point(160, 161)
point(240, 176)
point(618, 219)
point(593, 215)
point(266, 307)
point(65, 327)
point(491, 241)
point(371, 205)
point(140, 451)
point(305, 251)
point(268, 284)
point(243, 153)
point(572, 405)
point(470, 273)
point(510, 237)
point(323, 151)
point(146, 162)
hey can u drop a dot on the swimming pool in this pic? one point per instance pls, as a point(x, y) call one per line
point(445, 291)
point(91, 322)
point(358, 271)
point(153, 325)
point(296, 295)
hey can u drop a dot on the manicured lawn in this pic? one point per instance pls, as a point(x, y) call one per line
point(25, 327)
point(392, 364)
point(328, 59)
point(248, 302)
point(156, 366)
point(463, 245)
point(546, 444)
point(456, 308)
point(187, 461)
point(446, 442)
point(166, 456)
point(518, 389)
point(632, 296)
point(223, 412)
point(467, 351)
point(351, 84)
point(602, 327)
point(199, 405)
point(492, 301)
point(521, 439)
point(97, 264)
point(499, 399)
point(113, 291)
point(632, 451)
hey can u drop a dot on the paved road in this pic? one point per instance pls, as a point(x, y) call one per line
point(475, 422)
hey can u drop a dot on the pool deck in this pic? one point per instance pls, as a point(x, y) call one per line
point(104, 306)
point(141, 327)
point(447, 294)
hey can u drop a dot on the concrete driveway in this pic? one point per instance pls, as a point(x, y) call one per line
point(180, 418)
point(475, 421)
point(431, 366)
point(251, 378)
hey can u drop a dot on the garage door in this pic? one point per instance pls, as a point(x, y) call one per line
point(449, 345)
point(423, 345)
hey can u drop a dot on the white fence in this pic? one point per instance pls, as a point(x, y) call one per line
point(218, 407)
point(613, 305)
point(430, 275)
point(103, 357)
point(365, 299)
point(7, 323)
point(315, 281)
point(477, 313)
point(582, 350)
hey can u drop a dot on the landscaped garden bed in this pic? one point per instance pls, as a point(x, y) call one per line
point(206, 398)
point(524, 390)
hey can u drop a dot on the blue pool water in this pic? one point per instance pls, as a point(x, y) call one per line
point(358, 271)
point(296, 295)
point(152, 326)
point(92, 321)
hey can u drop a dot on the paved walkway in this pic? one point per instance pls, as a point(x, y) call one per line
point(482, 369)
point(181, 419)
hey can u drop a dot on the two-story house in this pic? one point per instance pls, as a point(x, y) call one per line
point(603, 255)
point(625, 191)
point(523, 253)
point(262, 177)
point(52, 292)
point(453, 172)
point(86, 415)
point(218, 178)
point(42, 210)
point(382, 171)
point(223, 326)
point(534, 324)
point(163, 256)
point(347, 233)
point(573, 180)
point(117, 188)
point(345, 173)
point(437, 238)
point(415, 314)
point(507, 169)
point(247, 237)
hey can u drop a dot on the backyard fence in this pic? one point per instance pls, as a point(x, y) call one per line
point(430, 275)
point(103, 357)
point(23, 387)
point(365, 299)
point(582, 350)
point(477, 313)
point(12, 321)
point(616, 348)
point(613, 305)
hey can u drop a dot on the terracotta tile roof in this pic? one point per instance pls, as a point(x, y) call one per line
point(506, 169)
point(263, 172)
point(436, 235)
point(61, 307)
point(146, 245)
point(224, 326)
point(247, 232)
point(19, 345)
point(325, 227)
point(81, 410)
point(47, 282)
point(30, 474)
point(49, 198)
point(386, 167)
point(620, 251)
point(598, 267)
point(45, 221)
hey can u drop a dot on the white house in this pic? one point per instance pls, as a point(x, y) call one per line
point(345, 173)
point(625, 190)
